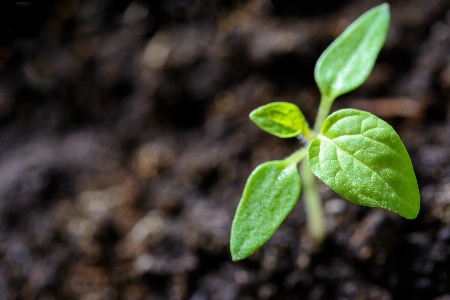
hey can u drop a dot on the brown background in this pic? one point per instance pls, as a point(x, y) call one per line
point(125, 144)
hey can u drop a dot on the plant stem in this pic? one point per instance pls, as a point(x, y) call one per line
point(322, 113)
point(313, 204)
point(297, 156)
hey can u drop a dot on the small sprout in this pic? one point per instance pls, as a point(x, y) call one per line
point(355, 153)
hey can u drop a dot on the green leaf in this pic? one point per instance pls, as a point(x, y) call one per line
point(281, 119)
point(362, 158)
point(269, 195)
point(348, 61)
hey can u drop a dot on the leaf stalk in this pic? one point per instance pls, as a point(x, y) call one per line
point(323, 112)
point(297, 156)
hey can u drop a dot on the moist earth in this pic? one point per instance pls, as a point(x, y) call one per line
point(125, 145)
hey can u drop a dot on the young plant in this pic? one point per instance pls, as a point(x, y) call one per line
point(356, 154)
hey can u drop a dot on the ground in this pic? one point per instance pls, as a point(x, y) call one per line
point(125, 144)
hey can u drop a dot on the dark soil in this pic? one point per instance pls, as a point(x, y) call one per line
point(125, 144)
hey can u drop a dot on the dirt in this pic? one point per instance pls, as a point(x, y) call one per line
point(125, 144)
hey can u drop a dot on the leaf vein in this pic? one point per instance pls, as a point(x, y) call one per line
point(362, 163)
point(367, 137)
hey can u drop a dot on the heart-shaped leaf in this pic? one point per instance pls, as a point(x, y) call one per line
point(362, 158)
point(281, 119)
point(269, 195)
point(348, 61)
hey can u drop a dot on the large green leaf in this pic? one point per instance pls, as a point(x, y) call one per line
point(362, 158)
point(270, 194)
point(281, 119)
point(348, 61)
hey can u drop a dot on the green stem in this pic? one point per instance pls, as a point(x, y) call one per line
point(297, 156)
point(322, 113)
point(313, 204)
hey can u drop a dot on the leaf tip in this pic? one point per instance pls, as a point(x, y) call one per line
point(384, 6)
point(412, 213)
point(252, 116)
point(235, 258)
point(383, 10)
point(237, 253)
point(238, 247)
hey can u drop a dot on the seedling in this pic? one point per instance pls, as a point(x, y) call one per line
point(356, 154)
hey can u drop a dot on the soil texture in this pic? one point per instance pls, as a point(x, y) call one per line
point(125, 144)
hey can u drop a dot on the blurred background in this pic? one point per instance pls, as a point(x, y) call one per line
point(125, 144)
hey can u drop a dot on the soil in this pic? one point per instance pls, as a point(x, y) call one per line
point(125, 144)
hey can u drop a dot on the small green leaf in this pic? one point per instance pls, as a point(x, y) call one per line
point(362, 158)
point(269, 195)
point(281, 119)
point(348, 61)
